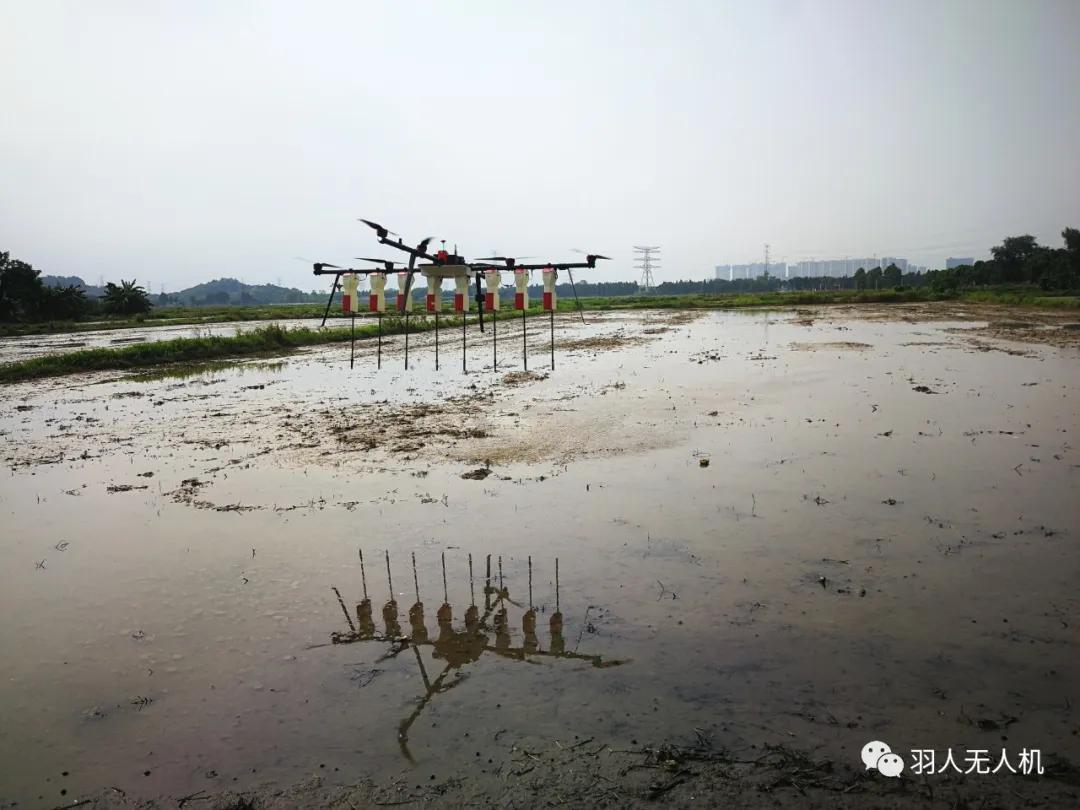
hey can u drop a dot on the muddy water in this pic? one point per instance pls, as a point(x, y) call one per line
point(25, 347)
point(882, 544)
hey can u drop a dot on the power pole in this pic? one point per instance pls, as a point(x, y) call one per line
point(766, 260)
point(646, 262)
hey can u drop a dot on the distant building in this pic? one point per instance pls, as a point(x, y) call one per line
point(953, 261)
point(730, 272)
point(831, 267)
point(813, 268)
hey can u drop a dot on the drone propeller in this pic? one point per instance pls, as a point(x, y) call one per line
point(387, 263)
point(320, 265)
point(509, 261)
point(591, 258)
point(379, 229)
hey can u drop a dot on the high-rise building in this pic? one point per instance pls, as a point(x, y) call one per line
point(819, 268)
point(953, 261)
point(731, 272)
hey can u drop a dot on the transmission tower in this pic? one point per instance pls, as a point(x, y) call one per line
point(646, 263)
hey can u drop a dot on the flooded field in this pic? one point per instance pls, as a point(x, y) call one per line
point(27, 347)
point(807, 529)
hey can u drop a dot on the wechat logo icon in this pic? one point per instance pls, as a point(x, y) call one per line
point(878, 756)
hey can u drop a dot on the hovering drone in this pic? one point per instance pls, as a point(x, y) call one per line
point(442, 265)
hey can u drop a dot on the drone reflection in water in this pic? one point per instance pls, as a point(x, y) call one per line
point(486, 629)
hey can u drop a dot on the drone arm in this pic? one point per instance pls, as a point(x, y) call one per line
point(415, 252)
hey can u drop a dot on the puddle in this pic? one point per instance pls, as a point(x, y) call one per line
point(186, 609)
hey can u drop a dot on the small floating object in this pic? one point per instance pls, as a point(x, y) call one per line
point(703, 462)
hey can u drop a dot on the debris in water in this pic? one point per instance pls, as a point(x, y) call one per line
point(479, 474)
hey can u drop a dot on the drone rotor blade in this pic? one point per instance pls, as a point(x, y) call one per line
point(387, 263)
point(379, 229)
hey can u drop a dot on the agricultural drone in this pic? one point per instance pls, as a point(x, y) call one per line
point(442, 265)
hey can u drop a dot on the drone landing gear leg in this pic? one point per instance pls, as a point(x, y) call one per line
point(379, 354)
point(487, 586)
point(524, 345)
point(464, 322)
point(352, 339)
point(329, 301)
point(552, 311)
point(494, 343)
point(406, 341)
point(436, 340)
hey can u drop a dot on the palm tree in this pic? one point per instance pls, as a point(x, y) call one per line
point(126, 299)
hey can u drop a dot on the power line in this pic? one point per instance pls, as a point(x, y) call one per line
point(646, 262)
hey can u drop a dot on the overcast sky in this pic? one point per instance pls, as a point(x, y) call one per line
point(178, 142)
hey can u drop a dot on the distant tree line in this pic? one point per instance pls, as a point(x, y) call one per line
point(25, 297)
point(1017, 261)
point(232, 292)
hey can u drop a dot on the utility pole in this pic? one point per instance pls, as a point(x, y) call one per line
point(766, 260)
point(646, 263)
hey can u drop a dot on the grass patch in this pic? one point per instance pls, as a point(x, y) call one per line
point(175, 316)
point(272, 339)
point(1021, 297)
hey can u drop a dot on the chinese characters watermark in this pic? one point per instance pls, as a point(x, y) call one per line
point(877, 755)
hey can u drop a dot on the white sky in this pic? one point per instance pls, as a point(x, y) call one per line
point(181, 141)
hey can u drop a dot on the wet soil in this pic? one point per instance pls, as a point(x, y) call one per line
point(1055, 327)
point(881, 546)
